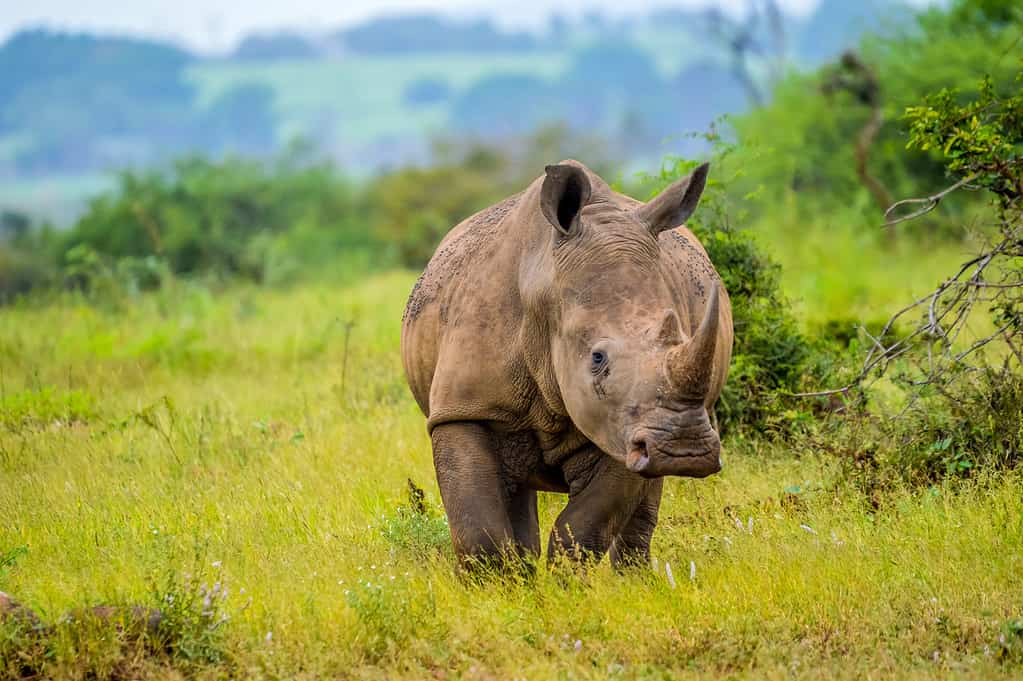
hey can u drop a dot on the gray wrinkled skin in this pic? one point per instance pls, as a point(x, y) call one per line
point(568, 339)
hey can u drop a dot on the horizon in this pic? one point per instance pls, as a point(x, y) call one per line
point(191, 24)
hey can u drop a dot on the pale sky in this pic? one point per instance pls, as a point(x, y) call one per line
point(216, 26)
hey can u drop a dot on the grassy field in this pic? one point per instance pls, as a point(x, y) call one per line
point(251, 449)
point(840, 266)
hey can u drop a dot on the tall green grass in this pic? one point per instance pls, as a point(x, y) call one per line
point(262, 440)
point(846, 264)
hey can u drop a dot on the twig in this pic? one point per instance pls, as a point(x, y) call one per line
point(344, 358)
point(931, 202)
point(1012, 348)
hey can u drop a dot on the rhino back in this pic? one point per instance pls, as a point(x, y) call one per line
point(461, 324)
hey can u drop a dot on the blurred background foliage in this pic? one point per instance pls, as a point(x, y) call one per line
point(376, 94)
point(811, 127)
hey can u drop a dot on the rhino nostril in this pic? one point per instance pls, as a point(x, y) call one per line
point(638, 457)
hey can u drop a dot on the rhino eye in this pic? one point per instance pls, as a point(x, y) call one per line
point(598, 360)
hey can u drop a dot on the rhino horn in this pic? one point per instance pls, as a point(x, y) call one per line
point(674, 205)
point(669, 333)
point(690, 364)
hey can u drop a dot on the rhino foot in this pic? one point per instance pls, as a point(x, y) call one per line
point(12, 610)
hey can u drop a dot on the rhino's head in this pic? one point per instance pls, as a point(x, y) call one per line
point(631, 379)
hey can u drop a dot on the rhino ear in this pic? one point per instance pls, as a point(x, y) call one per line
point(674, 205)
point(566, 189)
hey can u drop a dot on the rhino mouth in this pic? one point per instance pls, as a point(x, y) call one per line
point(652, 455)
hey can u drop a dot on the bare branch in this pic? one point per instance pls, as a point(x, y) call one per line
point(930, 203)
point(945, 315)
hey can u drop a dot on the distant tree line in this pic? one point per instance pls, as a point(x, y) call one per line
point(614, 89)
point(432, 33)
point(74, 103)
point(79, 102)
point(833, 26)
point(271, 219)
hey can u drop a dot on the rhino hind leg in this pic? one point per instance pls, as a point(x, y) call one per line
point(603, 499)
point(474, 493)
point(632, 546)
point(525, 521)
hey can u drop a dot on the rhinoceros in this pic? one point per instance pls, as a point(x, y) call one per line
point(568, 339)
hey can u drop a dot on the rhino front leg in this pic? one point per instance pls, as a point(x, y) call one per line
point(474, 494)
point(603, 497)
point(632, 546)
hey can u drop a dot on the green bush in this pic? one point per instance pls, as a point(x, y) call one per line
point(22, 271)
point(416, 207)
point(271, 221)
point(192, 616)
point(417, 526)
point(26, 255)
point(955, 433)
point(413, 208)
point(39, 408)
point(233, 217)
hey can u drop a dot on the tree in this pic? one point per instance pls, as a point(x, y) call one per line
point(853, 76)
point(274, 46)
point(980, 141)
point(759, 35)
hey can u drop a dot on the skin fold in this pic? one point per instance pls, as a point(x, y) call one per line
point(568, 339)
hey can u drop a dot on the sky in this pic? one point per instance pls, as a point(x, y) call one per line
point(216, 26)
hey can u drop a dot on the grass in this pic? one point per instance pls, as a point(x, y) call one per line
point(259, 442)
point(843, 265)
